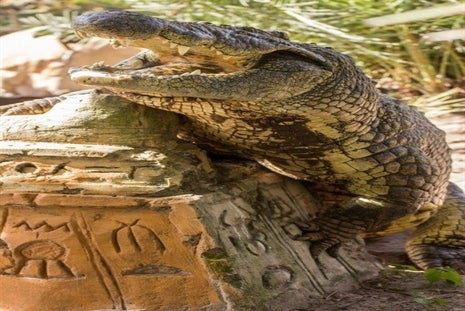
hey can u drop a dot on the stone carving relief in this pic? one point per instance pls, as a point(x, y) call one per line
point(42, 226)
point(35, 254)
point(133, 237)
point(277, 277)
point(7, 261)
point(112, 251)
point(42, 259)
point(258, 222)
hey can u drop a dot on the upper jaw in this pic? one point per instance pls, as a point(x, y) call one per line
point(131, 28)
point(170, 42)
point(177, 48)
point(238, 46)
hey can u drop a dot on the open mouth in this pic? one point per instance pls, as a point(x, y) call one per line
point(219, 61)
point(163, 57)
point(173, 48)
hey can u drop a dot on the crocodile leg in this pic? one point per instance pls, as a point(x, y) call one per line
point(346, 221)
point(437, 242)
point(440, 241)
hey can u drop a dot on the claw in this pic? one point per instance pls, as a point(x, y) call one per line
point(330, 245)
point(324, 236)
point(307, 226)
point(333, 251)
point(311, 237)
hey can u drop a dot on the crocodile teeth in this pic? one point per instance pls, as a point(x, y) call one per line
point(80, 34)
point(135, 64)
point(183, 49)
point(195, 72)
point(98, 65)
point(116, 44)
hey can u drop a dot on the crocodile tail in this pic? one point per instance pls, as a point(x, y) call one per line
point(440, 241)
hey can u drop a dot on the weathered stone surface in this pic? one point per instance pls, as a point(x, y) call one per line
point(100, 200)
point(59, 252)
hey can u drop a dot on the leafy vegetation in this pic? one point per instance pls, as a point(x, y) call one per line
point(447, 274)
point(430, 301)
point(395, 55)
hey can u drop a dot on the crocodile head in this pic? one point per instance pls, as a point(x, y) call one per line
point(181, 48)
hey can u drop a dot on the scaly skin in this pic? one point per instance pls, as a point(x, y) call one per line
point(36, 106)
point(301, 110)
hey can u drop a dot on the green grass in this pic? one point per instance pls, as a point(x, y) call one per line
point(395, 54)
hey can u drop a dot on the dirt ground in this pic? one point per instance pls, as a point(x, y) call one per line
point(396, 290)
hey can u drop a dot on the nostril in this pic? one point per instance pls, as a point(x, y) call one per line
point(25, 168)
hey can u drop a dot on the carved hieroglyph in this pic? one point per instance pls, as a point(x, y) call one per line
point(71, 252)
point(103, 208)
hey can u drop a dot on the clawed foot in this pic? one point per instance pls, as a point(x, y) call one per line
point(327, 234)
point(440, 241)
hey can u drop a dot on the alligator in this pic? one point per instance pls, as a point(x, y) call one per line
point(304, 111)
